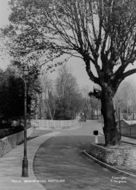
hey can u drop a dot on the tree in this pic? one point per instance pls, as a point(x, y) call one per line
point(12, 92)
point(91, 105)
point(12, 97)
point(49, 97)
point(125, 98)
point(101, 32)
point(31, 77)
point(68, 96)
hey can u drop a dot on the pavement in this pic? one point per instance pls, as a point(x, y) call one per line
point(11, 165)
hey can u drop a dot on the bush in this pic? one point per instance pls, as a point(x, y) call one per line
point(9, 130)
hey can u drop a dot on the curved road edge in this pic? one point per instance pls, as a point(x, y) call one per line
point(107, 165)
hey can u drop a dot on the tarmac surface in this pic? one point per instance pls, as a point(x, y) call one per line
point(11, 163)
point(59, 164)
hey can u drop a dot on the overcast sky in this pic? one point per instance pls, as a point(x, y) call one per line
point(4, 12)
point(76, 65)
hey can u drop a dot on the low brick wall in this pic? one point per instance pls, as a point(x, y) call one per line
point(122, 156)
point(10, 142)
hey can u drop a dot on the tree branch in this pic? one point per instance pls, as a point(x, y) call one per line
point(128, 73)
point(96, 93)
point(89, 72)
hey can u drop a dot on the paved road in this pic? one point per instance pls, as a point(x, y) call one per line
point(60, 165)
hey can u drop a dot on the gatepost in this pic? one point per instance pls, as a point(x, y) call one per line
point(96, 136)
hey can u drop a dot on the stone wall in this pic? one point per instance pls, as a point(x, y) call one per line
point(123, 156)
point(10, 142)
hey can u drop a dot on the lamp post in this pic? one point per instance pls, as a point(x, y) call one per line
point(25, 159)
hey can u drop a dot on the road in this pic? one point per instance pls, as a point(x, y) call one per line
point(60, 165)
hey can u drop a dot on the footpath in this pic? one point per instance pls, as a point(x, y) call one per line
point(11, 165)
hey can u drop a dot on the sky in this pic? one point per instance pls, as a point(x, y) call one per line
point(4, 13)
point(76, 66)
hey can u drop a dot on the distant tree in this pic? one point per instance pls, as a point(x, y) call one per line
point(68, 96)
point(51, 105)
point(48, 96)
point(125, 98)
point(91, 107)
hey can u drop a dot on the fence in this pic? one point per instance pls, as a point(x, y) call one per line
point(128, 128)
point(54, 124)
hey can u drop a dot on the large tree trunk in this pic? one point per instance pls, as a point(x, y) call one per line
point(111, 132)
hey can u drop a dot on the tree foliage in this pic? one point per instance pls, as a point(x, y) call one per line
point(68, 97)
point(12, 95)
point(48, 96)
point(125, 98)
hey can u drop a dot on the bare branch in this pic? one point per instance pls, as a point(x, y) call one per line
point(128, 73)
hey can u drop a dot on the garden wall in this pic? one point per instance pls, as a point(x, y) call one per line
point(10, 142)
point(54, 124)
